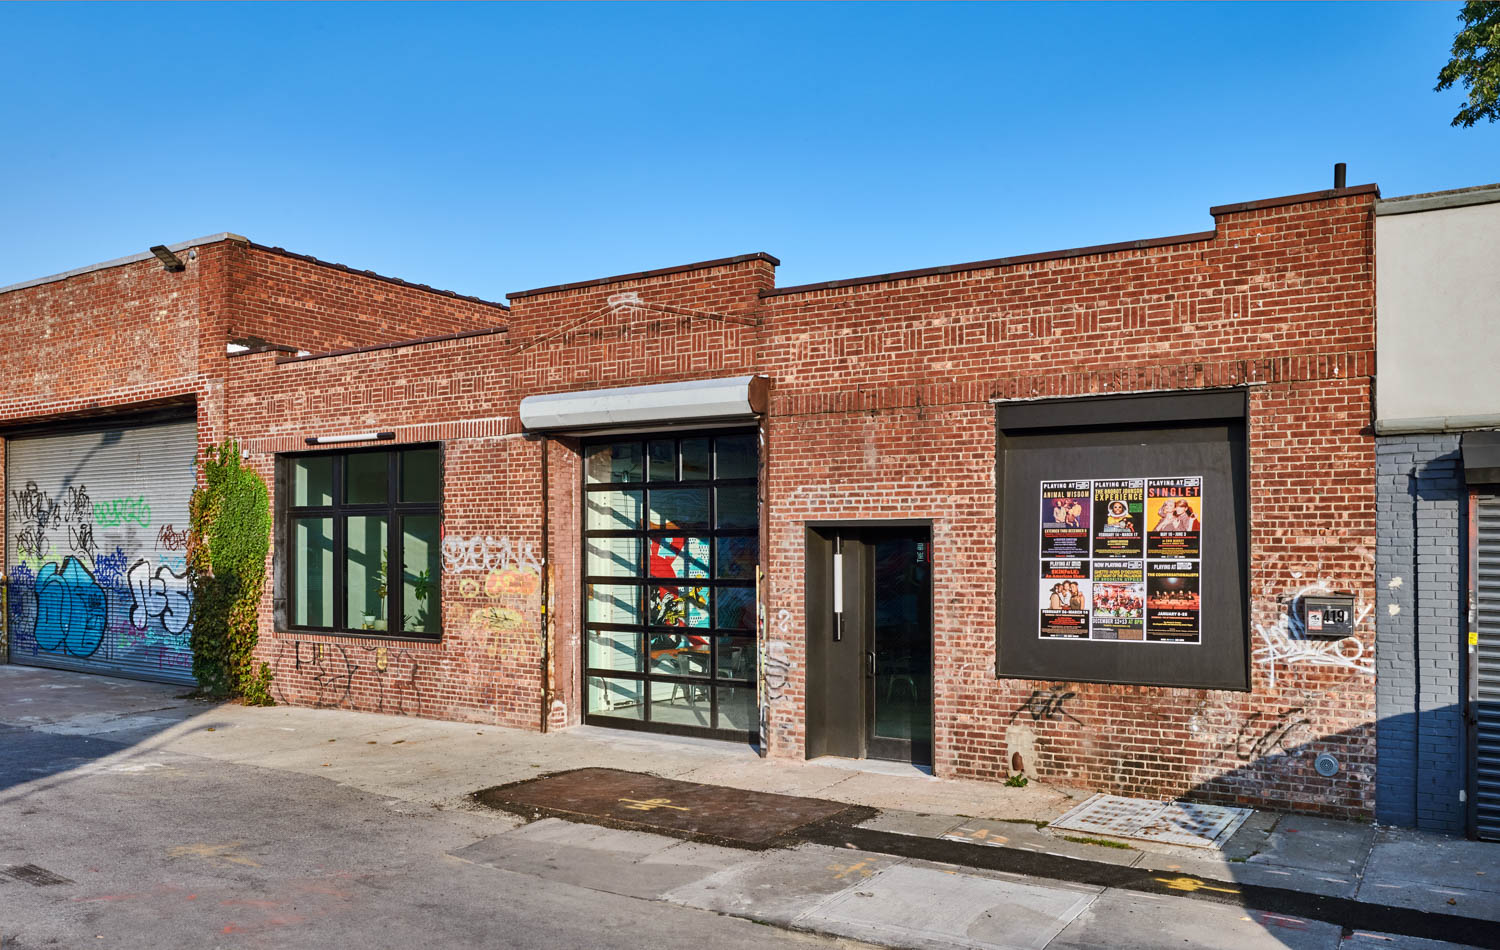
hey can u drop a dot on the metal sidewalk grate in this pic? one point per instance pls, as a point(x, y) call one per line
point(1181, 823)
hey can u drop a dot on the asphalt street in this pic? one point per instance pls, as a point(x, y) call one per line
point(182, 851)
point(135, 818)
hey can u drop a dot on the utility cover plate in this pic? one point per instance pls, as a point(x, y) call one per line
point(1181, 823)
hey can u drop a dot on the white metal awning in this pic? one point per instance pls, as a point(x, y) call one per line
point(707, 401)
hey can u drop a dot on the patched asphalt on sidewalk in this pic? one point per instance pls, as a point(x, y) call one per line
point(714, 814)
point(752, 820)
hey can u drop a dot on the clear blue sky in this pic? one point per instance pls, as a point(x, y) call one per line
point(488, 149)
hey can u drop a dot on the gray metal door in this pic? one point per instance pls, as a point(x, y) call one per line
point(96, 550)
point(1486, 655)
point(869, 643)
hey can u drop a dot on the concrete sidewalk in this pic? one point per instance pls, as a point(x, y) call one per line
point(421, 764)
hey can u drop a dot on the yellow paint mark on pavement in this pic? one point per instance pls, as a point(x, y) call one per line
point(859, 868)
point(651, 804)
point(1193, 884)
point(212, 852)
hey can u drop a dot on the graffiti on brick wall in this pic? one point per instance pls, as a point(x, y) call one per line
point(1284, 642)
point(499, 605)
point(483, 553)
point(500, 585)
point(778, 663)
point(1045, 706)
point(97, 581)
point(1262, 735)
point(340, 676)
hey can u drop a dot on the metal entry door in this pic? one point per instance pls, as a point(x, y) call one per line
point(96, 550)
point(1485, 690)
point(869, 647)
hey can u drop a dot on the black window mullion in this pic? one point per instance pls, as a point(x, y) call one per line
point(340, 595)
point(713, 599)
point(394, 574)
point(290, 538)
point(393, 570)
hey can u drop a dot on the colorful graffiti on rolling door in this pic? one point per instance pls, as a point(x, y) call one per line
point(101, 582)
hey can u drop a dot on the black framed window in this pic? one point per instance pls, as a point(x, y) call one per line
point(671, 544)
point(363, 532)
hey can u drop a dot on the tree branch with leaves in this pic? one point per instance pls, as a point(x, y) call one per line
point(1476, 63)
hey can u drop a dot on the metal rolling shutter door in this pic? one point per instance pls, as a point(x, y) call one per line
point(1487, 663)
point(95, 550)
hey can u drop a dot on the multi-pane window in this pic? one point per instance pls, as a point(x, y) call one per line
point(671, 545)
point(364, 536)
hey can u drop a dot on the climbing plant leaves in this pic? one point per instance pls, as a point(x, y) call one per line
point(229, 537)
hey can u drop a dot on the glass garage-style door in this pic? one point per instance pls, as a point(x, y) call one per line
point(670, 549)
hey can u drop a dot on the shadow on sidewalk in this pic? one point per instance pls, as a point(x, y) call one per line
point(55, 724)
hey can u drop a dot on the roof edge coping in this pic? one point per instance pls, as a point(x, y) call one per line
point(1141, 244)
point(128, 259)
point(640, 275)
point(1438, 200)
point(1307, 196)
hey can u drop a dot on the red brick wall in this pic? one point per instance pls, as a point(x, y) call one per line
point(292, 300)
point(882, 409)
point(122, 335)
point(877, 417)
point(489, 664)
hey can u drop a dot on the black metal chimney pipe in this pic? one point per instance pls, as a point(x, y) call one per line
point(1339, 170)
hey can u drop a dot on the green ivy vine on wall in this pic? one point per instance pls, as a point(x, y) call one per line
point(229, 536)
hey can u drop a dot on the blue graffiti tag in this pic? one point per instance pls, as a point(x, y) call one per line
point(72, 612)
point(22, 603)
point(109, 569)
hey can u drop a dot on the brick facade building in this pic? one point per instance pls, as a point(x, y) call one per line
point(675, 570)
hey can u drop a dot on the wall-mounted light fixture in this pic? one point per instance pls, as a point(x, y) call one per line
point(169, 261)
point(356, 437)
point(838, 588)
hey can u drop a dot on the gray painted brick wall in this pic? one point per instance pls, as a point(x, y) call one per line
point(1418, 632)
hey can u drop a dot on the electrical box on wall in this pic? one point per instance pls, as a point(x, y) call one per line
point(1327, 616)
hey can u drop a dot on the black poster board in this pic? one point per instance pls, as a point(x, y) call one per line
point(1175, 442)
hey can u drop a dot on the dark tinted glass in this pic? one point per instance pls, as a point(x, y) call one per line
point(366, 478)
point(420, 477)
